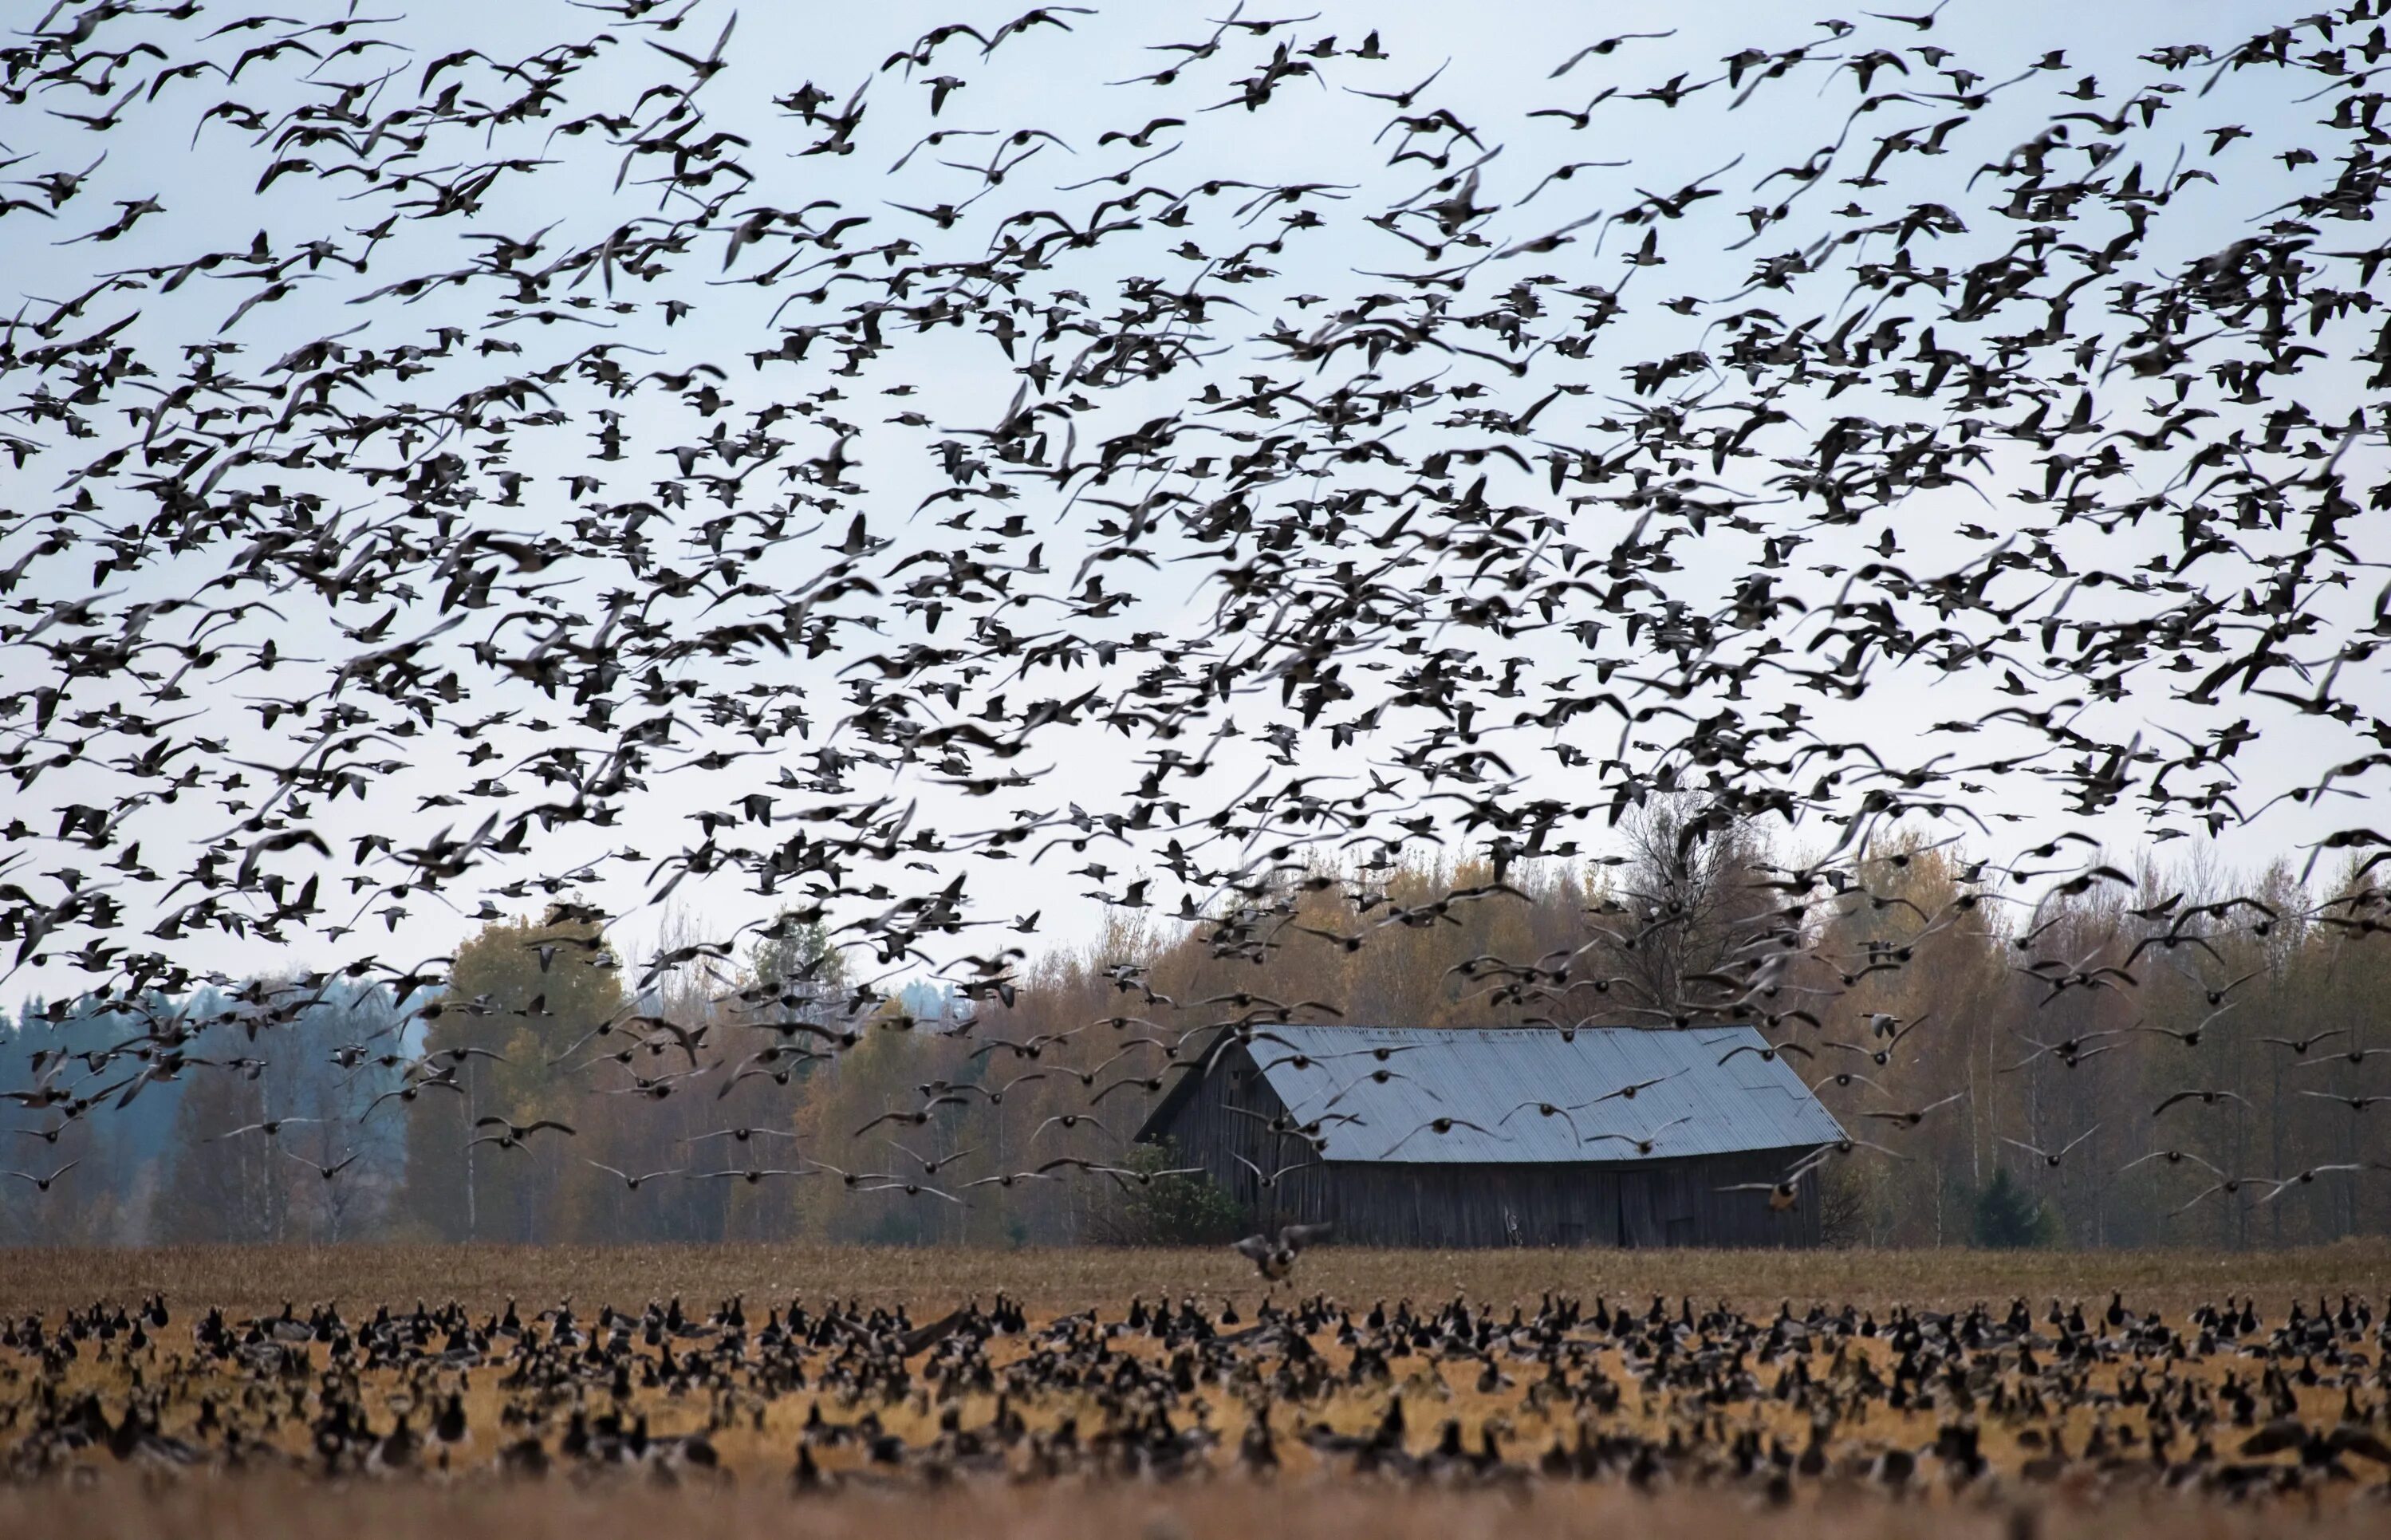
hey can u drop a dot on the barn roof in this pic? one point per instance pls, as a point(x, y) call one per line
point(1482, 1076)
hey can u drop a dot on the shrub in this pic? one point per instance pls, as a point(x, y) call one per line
point(2008, 1219)
point(1168, 1211)
point(1843, 1206)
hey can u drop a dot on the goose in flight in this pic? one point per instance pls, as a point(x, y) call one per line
point(1274, 1257)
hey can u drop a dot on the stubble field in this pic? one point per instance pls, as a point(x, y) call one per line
point(856, 1390)
point(250, 1279)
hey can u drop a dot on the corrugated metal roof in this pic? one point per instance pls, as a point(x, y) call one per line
point(1495, 1077)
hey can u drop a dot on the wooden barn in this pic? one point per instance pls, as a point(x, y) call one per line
point(1628, 1170)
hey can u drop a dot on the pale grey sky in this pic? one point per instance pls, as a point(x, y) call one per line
point(1495, 60)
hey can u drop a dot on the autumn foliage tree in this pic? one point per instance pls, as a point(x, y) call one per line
point(528, 1004)
point(2056, 1030)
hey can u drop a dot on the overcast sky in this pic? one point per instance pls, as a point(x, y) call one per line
point(1496, 61)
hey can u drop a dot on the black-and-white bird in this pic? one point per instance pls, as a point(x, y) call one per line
point(1274, 1254)
point(2051, 1157)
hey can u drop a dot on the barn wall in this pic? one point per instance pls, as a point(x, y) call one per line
point(1199, 1121)
point(1643, 1203)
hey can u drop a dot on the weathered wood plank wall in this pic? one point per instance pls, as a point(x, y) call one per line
point(1649, 1202)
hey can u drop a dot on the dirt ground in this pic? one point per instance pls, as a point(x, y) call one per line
point(1284, 1511)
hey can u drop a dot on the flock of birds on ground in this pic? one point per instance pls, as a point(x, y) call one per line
point(1981, 1404)
point(369, 575)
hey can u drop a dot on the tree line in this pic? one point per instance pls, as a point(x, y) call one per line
point(753, 1094)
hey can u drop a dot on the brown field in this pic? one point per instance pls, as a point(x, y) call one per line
point(266, 1510)
point(1313, 1495)
point(248, 1280)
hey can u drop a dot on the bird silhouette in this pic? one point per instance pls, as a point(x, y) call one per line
point(413, 565)
point(1274, 1254)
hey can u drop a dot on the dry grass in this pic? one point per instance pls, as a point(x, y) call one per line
point(248, 1280)
point(1311, 1498)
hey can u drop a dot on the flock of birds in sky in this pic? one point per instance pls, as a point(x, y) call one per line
point(588, 509)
